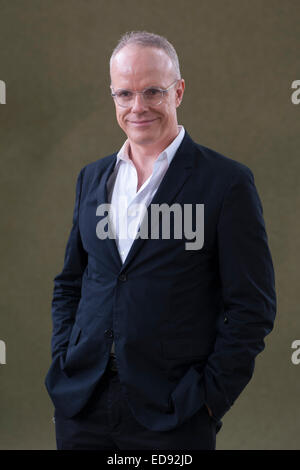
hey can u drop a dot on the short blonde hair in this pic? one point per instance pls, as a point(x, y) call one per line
point(145, 39)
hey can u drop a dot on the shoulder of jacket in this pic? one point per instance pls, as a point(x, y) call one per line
point(226, 166)
point(98, 165)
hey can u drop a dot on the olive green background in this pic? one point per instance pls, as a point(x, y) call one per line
point(238, 59)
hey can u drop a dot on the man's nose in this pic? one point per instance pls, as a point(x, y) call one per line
point(138, 104)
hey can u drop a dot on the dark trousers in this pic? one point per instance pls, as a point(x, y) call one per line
point(106, 423)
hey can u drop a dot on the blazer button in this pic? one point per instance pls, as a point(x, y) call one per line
point(108, 333)
point(123, 277)
point(225, 320)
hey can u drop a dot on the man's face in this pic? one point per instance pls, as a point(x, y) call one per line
point(136, 68)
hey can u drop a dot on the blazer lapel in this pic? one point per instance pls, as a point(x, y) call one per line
point(172, 182)
point(102, 198)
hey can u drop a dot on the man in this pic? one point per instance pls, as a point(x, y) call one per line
point(154, 338)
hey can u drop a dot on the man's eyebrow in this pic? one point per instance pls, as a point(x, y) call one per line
point(146, 88)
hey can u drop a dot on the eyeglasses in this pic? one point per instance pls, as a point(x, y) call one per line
point(152, 96)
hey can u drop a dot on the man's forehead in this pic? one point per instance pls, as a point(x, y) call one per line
point(132, 51)
point(135, 59)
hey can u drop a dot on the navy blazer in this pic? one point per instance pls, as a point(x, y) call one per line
point(187, 324)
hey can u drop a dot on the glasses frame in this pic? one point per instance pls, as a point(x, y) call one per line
point(163, 91)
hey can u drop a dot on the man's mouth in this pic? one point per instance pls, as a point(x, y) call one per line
point(143, 122)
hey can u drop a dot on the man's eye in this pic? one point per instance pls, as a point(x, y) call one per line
point(124, 94)
point(152, 92)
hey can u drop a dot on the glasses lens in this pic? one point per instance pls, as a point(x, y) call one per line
point(152, 96)
point(124, 97)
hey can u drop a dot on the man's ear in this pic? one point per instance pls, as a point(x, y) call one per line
point(179, 92)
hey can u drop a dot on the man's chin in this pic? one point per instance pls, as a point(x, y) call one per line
point(142, 138)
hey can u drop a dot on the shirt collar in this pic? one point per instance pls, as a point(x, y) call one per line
point(168, 152)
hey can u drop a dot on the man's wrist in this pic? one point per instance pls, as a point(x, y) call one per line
point(209, 410)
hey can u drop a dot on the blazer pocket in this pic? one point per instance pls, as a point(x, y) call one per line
point(75, 335)
point(183, 348)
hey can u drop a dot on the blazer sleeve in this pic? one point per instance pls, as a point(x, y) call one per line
point(67, 284)
point(248, 291)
